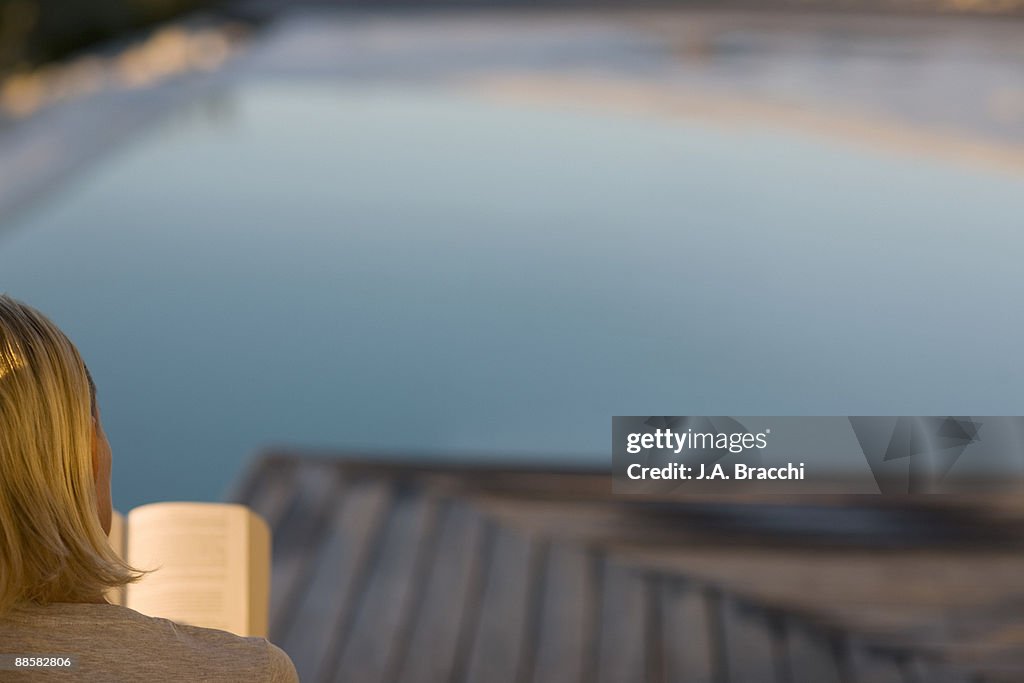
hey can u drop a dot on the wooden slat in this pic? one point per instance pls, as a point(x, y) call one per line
point(447, 599)
point(929, 670)
point(753, 646)
point(595, 568)
point(498, 641)
point(654, 626)
point(686, 634)
point(871, 666)
point(814, 657)
point(472, 614)
point(340, 575)
point(622, 645)
point(255, 478)
point(563, 630)
point(536, 592)
point(386, 602)
point(270, 493)
point(297, 540)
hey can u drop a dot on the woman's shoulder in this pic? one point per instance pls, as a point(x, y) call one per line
point(192, 652)
point(217, 647)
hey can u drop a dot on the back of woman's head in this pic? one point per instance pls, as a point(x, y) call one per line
point(52, 544)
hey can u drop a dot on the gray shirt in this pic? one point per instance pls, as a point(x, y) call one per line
point(113, 644)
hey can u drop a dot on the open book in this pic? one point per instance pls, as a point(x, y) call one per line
point(212, 563)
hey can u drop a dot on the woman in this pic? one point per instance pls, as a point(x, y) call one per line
point(55, 512)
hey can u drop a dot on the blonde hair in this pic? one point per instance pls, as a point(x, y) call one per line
point(52, 545)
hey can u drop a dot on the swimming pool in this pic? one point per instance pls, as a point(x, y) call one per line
point(410, 268)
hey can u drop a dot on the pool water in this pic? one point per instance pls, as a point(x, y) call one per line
point(410, 269)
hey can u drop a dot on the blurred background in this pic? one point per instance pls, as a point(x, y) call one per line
point(462, 230)
point(469, 233)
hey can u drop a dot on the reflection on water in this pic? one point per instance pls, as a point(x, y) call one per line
point(398, 268)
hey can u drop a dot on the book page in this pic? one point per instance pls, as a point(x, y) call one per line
point(116, 538)
point(211, 562)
